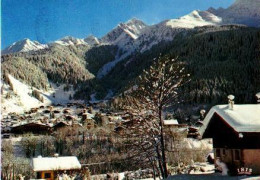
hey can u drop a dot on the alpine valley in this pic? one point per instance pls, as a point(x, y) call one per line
point(220, 47)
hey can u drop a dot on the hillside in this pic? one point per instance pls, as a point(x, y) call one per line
point(57, 64)
point(222, 61)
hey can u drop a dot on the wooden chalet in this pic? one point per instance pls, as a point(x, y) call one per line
point(50, 167)
point(60, 125)
point(235, 130)
point(31, 127)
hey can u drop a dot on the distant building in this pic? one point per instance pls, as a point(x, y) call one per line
point(174, 133)
point(60, 125)
point(50, 167)
point(31, 127)
point(235, 130)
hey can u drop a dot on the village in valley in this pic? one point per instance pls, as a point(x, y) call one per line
point(102, 131)
point(89, 141)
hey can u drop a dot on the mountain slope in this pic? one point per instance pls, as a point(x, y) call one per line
point(222, 60)
point(61, 64)
point(135, 36)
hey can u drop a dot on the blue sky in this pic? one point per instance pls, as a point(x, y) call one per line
point(48, 20)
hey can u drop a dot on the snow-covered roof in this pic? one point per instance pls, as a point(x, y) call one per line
point(243, 118)
point(55, 163)
point(170, 122)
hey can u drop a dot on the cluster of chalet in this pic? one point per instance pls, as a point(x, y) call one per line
point(45, 120)
point(235, 130)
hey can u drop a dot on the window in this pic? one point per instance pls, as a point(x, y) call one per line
point(47, 175)
point(223, 152)
point(217, 152)
point(236, 155)
point(38, 175)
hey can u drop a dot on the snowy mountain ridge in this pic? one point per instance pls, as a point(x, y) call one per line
point(148, 36)
point(245, 12)
point(135, 36)
point(24, 46)
point(123, 35)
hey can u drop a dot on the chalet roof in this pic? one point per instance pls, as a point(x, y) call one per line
point(170, 122)
point(243, 118)
point(89, 115)
point(55, 163)
point(31, 123)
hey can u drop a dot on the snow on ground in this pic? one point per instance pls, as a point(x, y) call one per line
point(108, 66)
point(21, 99)
point(58, 95)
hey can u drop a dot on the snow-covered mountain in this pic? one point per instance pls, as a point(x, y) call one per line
point(136, 36)
point(24, 46)
point(69, 40)
point(92, 40)
point(129, 30)
point(245, 12)
point(195, 18)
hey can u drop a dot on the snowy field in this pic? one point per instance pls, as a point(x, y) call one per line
point(22, 100)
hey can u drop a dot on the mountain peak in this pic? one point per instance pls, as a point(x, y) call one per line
point(125, 32)
point(245, 12)
point(193, 19)
point(92, 40)
point(247, 2)
point(24, 45)
point(135, 21)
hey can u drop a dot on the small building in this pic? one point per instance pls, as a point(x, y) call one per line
point(89, 123)
point(172, 124)
point(235, 130)
point(60, 125)
point(50, 167)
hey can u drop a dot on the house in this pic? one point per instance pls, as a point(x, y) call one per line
point(174, 133)
point(50, 167)
point(31, 127)
point(235, 130)
point(171, 126)
point(60, 125)
point(88, 121)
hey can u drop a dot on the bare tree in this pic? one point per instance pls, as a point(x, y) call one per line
point(11, 165)
point(29, 143)
point(158, 88)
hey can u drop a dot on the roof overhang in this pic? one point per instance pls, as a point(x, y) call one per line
point(243, 118)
